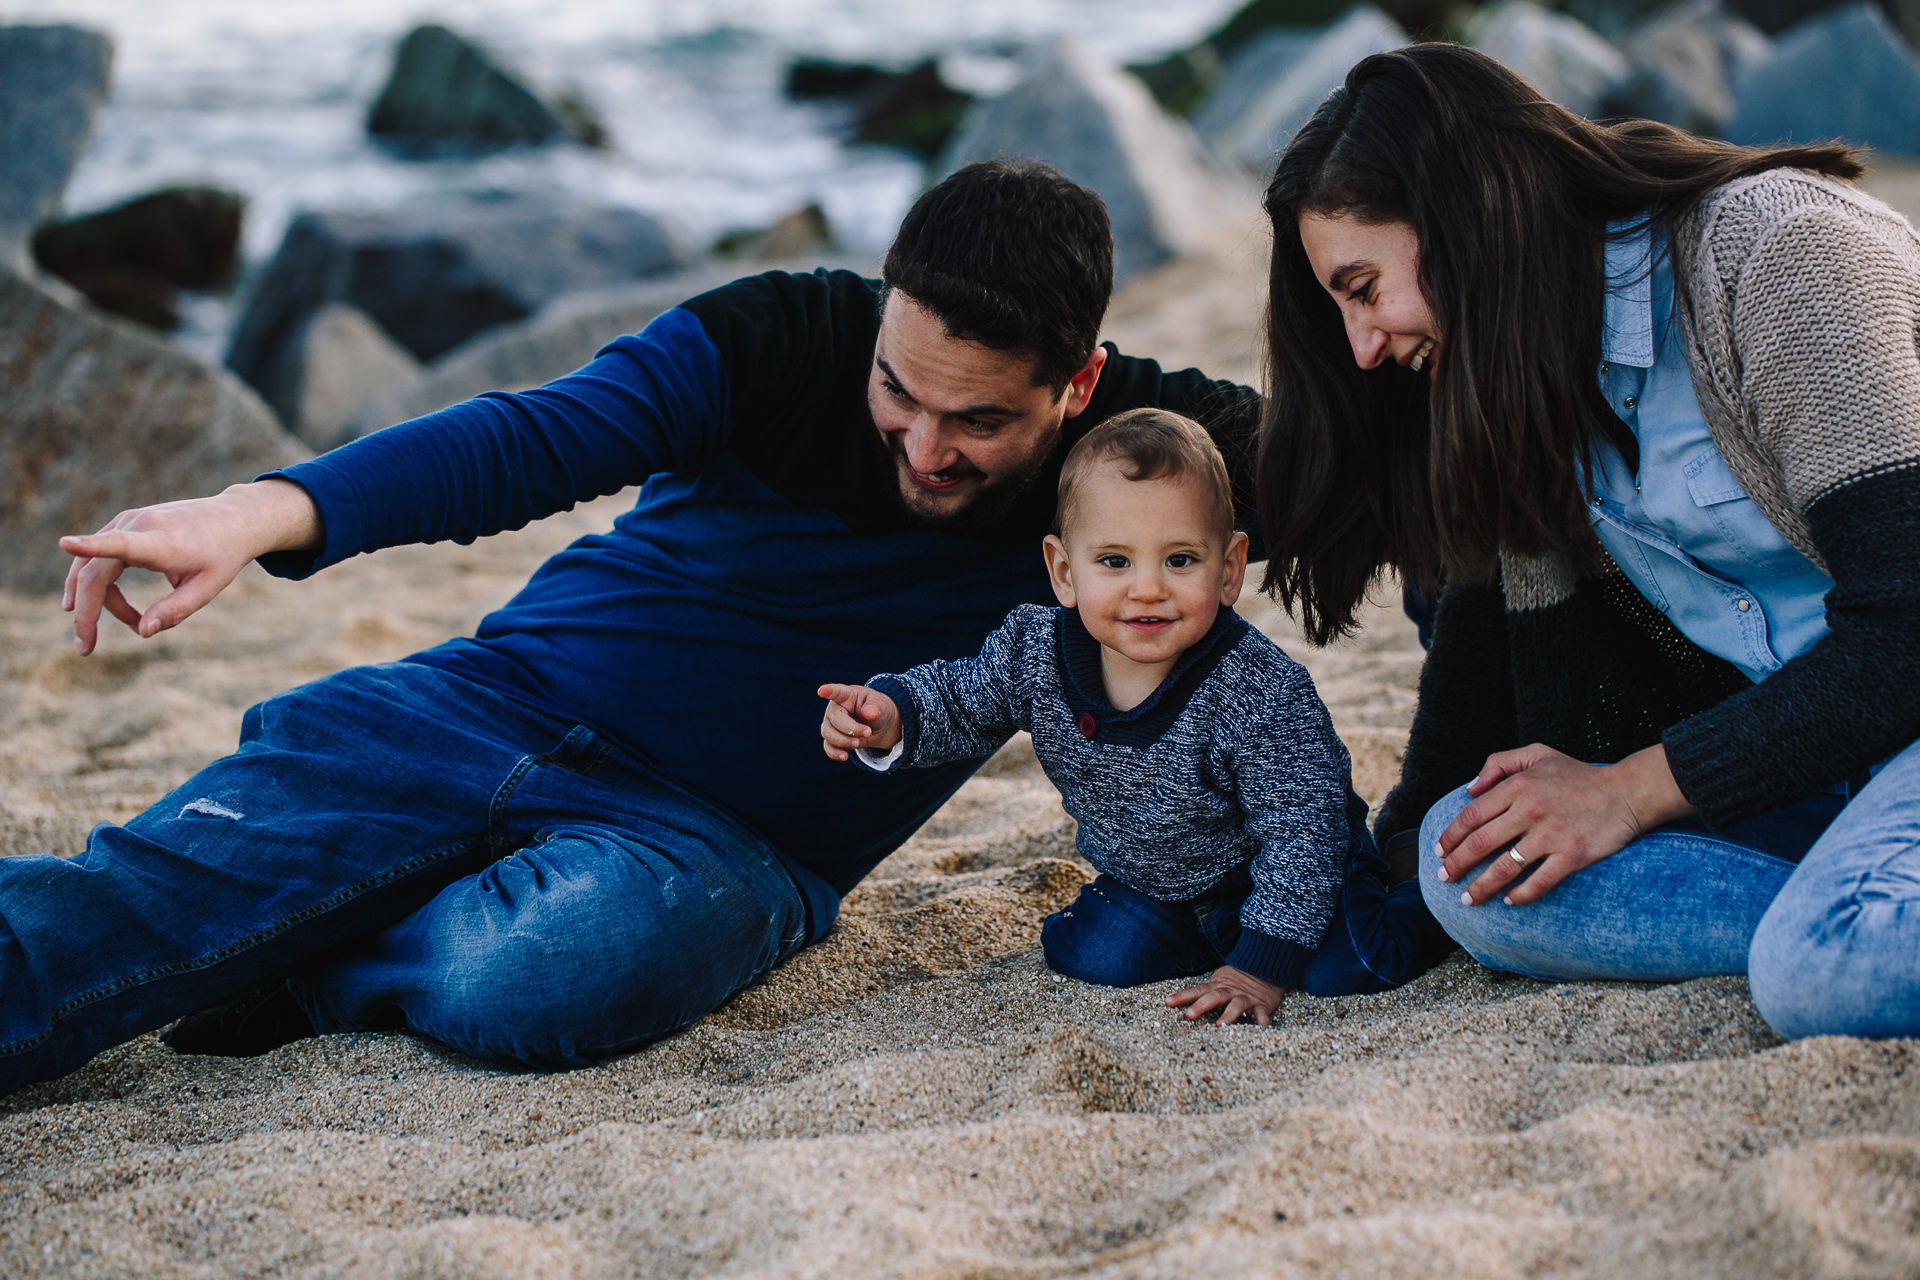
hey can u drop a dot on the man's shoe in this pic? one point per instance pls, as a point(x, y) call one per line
point(259, 1021)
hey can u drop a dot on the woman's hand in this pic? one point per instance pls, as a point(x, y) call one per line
point(1557, 814)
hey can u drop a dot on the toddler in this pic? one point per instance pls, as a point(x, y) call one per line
point(1211, 792)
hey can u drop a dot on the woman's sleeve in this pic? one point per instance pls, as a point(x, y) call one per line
point(1464, 713)
point(1825, 317)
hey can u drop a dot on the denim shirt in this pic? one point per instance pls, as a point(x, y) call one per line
point(1683, 530)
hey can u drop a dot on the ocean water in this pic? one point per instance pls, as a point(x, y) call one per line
point(269, 98)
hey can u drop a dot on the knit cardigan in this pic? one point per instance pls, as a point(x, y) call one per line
point(1799, 301)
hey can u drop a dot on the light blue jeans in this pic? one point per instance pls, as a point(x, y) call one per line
point(1830, 941)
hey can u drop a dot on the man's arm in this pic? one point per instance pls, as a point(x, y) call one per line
point(200, 545)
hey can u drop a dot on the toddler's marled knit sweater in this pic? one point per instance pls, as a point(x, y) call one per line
point(1232, 762)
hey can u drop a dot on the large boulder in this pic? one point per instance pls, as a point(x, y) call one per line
point(1261, 64)
point(1098, 125)
point(1560, 56)
point(558, 340)
point(434, 273)
point(131, 259)
point(96, 415)
point(52, 80)
point(1255, 134)
point(343, 360)
point(1685, 64)
point(446, 90)
point(1844, 74)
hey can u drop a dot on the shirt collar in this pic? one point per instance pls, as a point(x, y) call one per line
point(1627, 320)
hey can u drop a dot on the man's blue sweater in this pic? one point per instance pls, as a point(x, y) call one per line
point(768, 551)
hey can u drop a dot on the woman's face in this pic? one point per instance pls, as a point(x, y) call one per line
point(1372, 269)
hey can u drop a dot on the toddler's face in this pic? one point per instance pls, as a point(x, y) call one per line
point(1145, 564)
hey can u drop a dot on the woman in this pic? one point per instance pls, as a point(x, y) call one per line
point(1649, 407)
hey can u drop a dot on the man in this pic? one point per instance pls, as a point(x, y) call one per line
point(604, 813)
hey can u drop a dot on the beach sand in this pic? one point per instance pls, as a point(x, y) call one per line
point(917, 1095)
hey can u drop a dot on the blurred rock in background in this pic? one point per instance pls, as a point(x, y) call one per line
point(433, 274)
point(803, 233)
point(133, 259)
point(1560, 56)
point(1685, 63)
point(1845, 74)
point(1258, 116)
point(97, 415)
point(445, 90)
point(1089, 119)
point(52, 80)
point(339, 360)
point(915, 110)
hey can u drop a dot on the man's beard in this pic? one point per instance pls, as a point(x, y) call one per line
point(990, 502)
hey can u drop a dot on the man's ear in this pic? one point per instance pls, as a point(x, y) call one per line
point(1080, 388)
point(1058, 571)
point(1235, 572)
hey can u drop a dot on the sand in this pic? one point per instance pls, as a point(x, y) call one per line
point(917, 1095)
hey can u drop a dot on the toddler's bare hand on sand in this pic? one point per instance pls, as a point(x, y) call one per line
point(1235, 993)
point(200, 545)
point(857, 717)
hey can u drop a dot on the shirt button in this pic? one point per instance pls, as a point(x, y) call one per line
point(1743, 605)
point(1630, 402)
point(1088, 726)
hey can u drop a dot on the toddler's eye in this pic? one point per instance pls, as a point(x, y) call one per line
point(1181, 559)
point(1112, 562)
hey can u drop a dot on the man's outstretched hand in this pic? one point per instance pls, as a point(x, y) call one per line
point(200, 545)
point(857, 717)
point(1235, 993)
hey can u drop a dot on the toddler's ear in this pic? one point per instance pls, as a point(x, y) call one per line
point(1059, 572)
point(1233, 573)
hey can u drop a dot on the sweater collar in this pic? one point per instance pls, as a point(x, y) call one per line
point(1085, 692)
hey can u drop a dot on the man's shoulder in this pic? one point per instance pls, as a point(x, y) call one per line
point(822, 311)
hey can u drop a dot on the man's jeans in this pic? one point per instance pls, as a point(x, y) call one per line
point(412, 850)
point(1831, 946)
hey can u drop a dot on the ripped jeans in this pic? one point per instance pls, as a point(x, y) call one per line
point(410, 850)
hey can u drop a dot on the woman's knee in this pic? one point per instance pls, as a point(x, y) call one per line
point(1843, 967)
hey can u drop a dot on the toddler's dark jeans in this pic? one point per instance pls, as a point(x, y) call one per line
point(1116, 936)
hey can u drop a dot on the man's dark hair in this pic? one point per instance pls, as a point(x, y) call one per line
point(1012, 255)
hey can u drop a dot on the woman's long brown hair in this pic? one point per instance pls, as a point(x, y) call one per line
point(1510, 196)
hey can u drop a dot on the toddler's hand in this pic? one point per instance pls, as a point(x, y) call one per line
point(857, 717)
point(1235, 993)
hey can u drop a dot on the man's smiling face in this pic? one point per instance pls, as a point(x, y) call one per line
point(966, 426)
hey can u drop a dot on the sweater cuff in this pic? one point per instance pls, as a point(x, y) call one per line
point(902, 696)
point(1271, 959)
point(340, 525)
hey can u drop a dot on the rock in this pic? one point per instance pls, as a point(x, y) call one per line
point(917, 111)
point(1098, 125)
point(52, 80)
point(1262, 63)
point(97, 416)
point(810, 78)
point(1254, 19)
point(804, 233)
point(131, 258)
point(1560, 56)
point(558, 340)
point(433, 274)
point(1776, 16)
point(1255, 135)
point(1684, 66)
point(1844, 74)
point(1184, 78)
point(446, 90)
point(343, 360)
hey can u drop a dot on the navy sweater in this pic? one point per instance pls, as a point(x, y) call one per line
point(768, 550)
point(1231, 764)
